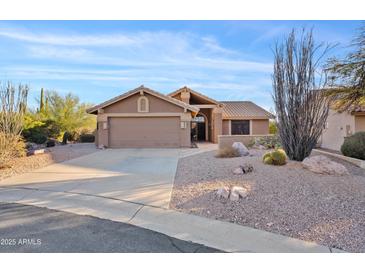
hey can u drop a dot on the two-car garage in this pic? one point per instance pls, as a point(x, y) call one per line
point(143, 118)
point(144, 132)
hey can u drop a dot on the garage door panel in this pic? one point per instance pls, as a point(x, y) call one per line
point(144, 132)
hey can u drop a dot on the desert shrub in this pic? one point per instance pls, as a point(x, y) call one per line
point(38, 131)
point(268, 142)
point(66, 137)
point(50, 143)
point(251, 143)
point(87, 138)
point(273, 127)
point(36, 134)
point(267, 155)
point(354, 146)
point(227, 152)
point(11, 146)
point(277, 157)
point(268, 161)
point(74, 135)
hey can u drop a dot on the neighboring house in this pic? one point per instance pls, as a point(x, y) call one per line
point(341, 125)
point(145, 118)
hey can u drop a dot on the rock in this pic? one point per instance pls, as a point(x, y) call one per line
point(269, 224)
point(223, 192)
point(246, 168)
point(234, 197)
point(322, 165)
point(237, 171)
point(35, 152)
point(240, 191)
point(101, 147)
point(241, 148)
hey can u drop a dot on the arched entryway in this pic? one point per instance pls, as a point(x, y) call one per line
point(199, 128)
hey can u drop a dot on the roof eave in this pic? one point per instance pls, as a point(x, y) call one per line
point(94, 109)
point(247, 117)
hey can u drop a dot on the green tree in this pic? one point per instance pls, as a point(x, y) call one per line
point(60, 114)
point(348, 76)
point(68, 113)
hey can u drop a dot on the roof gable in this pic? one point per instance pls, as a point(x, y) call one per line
point(125, 95)
point(198, 94)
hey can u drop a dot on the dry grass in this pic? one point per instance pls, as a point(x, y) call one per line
point(228, 152)
point(11, 146)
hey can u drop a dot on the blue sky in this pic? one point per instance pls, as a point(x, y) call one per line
point(96, 60)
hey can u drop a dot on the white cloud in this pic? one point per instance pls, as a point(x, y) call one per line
point(57, 52)
point(68, 40)
point(165, 60)
point(137, 49)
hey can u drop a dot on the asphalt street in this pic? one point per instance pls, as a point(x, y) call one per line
point(26, 228)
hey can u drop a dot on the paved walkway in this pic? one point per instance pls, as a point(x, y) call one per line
point(134, 186)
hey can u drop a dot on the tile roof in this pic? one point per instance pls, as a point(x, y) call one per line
point(244, 109)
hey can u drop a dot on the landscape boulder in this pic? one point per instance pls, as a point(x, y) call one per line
point(241, 148)
point(237, 171)
point(240, 191)
point(234, 196)
point(242, 169)
point(35, 152)
point(322, 165)
point(223, 192)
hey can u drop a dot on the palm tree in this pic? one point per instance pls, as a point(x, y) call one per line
point(347, 77)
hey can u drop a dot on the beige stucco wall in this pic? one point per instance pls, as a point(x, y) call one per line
point(228, 140)
point(129, 105)
point(260, 127)
point(338, 126)
point(225, 127)
point(360, 123)
point(217, 124)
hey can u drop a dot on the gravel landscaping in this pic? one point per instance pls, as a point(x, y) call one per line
point(288, 200)
point(52, 155)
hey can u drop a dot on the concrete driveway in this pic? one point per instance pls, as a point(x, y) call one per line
point(141, 176)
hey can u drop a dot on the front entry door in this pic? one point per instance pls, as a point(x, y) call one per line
point(201, 131)
point(198, 128)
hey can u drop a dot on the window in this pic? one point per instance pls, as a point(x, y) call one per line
point(240, 127)
point(143, 105)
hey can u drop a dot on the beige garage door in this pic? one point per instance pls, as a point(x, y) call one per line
point(144, 132)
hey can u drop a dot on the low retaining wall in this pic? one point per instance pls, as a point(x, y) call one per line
point(356, 162)
point(228, 140)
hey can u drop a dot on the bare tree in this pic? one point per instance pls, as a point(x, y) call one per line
point(301, 108)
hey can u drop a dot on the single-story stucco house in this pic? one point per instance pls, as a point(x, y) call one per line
point(340, 125)
point(146, 118)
